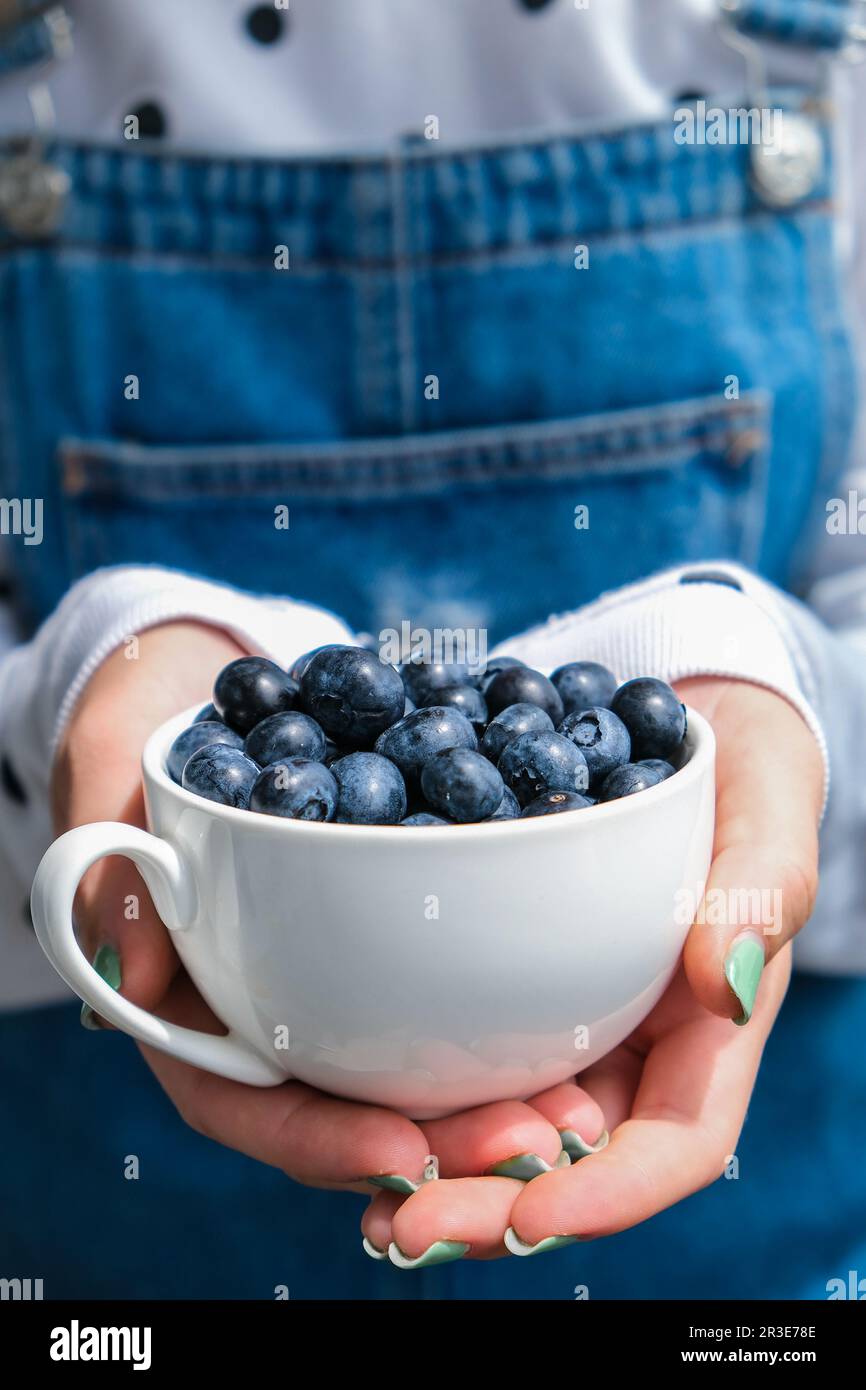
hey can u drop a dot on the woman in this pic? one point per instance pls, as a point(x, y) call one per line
point(522, 347)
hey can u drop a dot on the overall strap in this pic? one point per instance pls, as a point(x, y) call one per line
point(817, 24)
point(32, 32)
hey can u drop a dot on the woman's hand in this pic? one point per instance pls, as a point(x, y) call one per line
point(315, 1138)
point(674, 1095)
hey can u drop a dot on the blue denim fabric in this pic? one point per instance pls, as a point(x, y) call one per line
point(813, 23)
point(558, 387)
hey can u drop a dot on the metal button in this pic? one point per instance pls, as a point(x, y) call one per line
point(786, 167)
point(32, 195)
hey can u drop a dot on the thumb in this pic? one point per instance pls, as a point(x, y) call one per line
point(764, 875)
point(96, 776)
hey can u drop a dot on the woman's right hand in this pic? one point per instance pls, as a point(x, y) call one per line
point(315, 1138)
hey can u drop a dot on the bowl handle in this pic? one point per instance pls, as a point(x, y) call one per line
point(172, 887)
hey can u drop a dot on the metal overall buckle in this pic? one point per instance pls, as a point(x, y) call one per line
point(787, 164)
point(33, 191)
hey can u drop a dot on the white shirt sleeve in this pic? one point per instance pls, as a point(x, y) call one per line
point(40, 682)
point(749, 630)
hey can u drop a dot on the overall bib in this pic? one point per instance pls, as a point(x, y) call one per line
point(435, 359)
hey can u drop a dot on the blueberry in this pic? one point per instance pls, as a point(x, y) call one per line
point(601, 737)
point(352, 694)
point(249, 689)
point(371, 790)
point(207, 714)
point(551, 803)
point(584, 685)
point(221, 774)
point(421, 678)
point(424, 818)
point(659, 765)
point(508, 808)
point(296, 788)
point(626, 780)
point(195, 737)
point(463, 784)
point(521, 685)
point(300, 663)
point(289, 735)
point(542, 762)
point(465, 698)
point(408, 705)
point(653, 715)
point(507, 726)
point(494, 666)
point(419, 736)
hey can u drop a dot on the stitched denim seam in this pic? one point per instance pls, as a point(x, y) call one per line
point(373, 311)
point(513, 256)
point(658, 422)
point(403, 241)
point(171, 485)
point(354, 489)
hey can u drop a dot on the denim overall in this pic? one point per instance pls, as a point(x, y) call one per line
point(435, 359)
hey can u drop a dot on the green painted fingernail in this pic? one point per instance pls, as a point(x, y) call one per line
point(576, 1147)
point(519, 1247)
point(439, 1253)
point(743, 965)
point(395, 1182)
point(525, 1167)
point(106, 963)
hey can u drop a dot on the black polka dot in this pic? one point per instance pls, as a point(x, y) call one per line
point(151, 120)
point(265, 24)
point(11, 782)
point(688, 98)
point(535, 4)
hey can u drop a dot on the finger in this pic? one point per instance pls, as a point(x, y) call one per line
point(453, 1212)
point(683, 1131)
point(96, 776)
point(117, 923)
point(612, 1083)
point(577, 1118)
point(450, 1220)
point(376, 1223)
point(764, 875)
point(317, 1139)
point(508, 1139)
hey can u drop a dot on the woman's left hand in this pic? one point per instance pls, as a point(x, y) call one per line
point(674, 1094)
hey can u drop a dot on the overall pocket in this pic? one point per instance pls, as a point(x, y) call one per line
point(492, 527)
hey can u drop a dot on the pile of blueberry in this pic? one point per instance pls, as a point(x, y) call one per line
point(344, 736)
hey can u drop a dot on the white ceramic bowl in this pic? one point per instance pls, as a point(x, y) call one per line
point(427, 969)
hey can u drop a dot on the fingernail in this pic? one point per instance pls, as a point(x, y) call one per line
point(519, 1247)
point(395, 1182)
point(373, 1250)
point(439, 1253)
point(525, 1167)
point(743, 965)
point(576, 1147)
point(106, 963)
